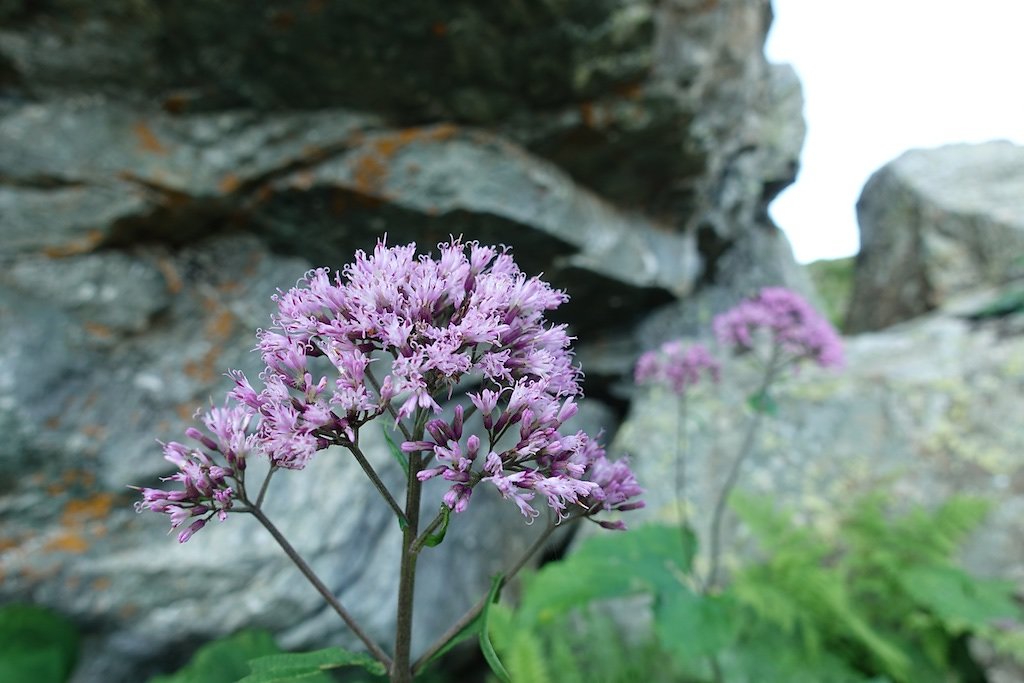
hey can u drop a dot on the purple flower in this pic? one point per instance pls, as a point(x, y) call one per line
point(420, 326)
point(207, 489)
point(792, 324)
point(677, 366)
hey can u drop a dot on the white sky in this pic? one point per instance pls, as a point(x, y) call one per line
point(884, 76)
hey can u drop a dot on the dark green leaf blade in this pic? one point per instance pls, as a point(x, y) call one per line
point(225, 660)
point(36, 644)
point(762, 402)
point(435, 538)
point(693, 626)
point(395, 451)
point(304, 666)
point(485, 638)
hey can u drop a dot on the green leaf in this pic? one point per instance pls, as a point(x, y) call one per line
point(223, 661)
point(692, 626)
point(308, 666)
point(960, 600)
point(395, 451)
point(485, 639)
point(435, 538)
point(651, 558)
point(36, 645)
point(762, 402)
point(467, 631)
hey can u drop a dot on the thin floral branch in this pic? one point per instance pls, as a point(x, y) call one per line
point(475, 610)
point(324, 591)
point(263, 488)
point(371, 473)
point(419, 541)
point(746, 448)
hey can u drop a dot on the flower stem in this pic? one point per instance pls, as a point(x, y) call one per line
point(263, 488)
point(417, 545)
point(475, 610)
point(771, 370)
point(377, 483)
point(325, 592)
point(400, 671)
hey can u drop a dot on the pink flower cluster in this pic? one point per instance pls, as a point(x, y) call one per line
point(396, 332)
point(795, 328)
point(677, 366)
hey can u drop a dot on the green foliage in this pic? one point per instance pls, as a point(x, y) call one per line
point(434, 539)
point(1006, 303)
point(834, 281)
point(254, 657)
point(36, 645)
point(225, 660)
point(485, 635)
point(651, 559)
point(308, 667)
point(762, 402)
point(395, 451)
point(882, 600)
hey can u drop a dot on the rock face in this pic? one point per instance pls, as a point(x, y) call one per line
point(934, 223)
point(164, 167)
point(922, 411)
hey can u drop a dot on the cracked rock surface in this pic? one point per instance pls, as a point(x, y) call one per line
point(165, 167)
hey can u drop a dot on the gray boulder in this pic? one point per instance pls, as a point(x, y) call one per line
point(165, 167)
point(923, 411)
point(934, 223)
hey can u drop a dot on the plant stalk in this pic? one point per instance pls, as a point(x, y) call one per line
point(324, 591)
point(377, 483)
point(475, 610)
point(771, 370)
point(401, 670)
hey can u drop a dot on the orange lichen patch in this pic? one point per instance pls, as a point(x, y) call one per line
point(83, 245)
point(177, 103)
point(587, 114)
point(171, 276)
point(52, 422)
point(369, 172)
point(439, 29)
point(101, 583)
point(371, 167)
point(128, 611)
point(83, 477)
point(229, 183)
point(264, 194)
point(630, 91)
point(97, 330)
point(94, 431)
point(84, 510)
point(185, 411)
point(303, 180)
point(55, 489)
point(9, 543)
point(67, 542)
point(220, 326)
point(218, 329)
point(147, 138)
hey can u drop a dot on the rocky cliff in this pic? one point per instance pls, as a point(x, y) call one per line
point(164, 167)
